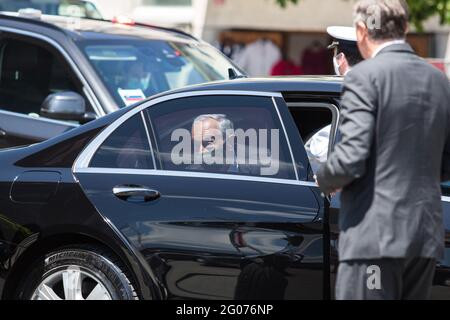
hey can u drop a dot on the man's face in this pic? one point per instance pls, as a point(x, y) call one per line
point(136, 71)
point(138, 77)
point(207, 136)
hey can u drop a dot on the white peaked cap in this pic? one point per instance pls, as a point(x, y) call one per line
point(342, 33)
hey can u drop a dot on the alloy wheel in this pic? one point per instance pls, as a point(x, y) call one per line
point(71, 283)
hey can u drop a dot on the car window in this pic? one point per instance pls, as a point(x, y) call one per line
point(236, 135)
point(133, 70)
point(314, 124)
point(29, 72)
point(126, 148)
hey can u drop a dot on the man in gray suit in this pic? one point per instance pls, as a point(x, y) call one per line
point(393, 155)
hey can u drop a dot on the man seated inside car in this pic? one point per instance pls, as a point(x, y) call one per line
point(138, 78)
point(213, 138)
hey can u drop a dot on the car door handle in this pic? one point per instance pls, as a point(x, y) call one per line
point(2, 133)
point(134, 193)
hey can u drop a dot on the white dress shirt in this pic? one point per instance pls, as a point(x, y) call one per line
point(317, 148)
point(385, 45)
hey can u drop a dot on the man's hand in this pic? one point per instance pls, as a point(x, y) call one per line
point(332, 194)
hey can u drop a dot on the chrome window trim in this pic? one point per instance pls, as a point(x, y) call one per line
point(445, 199)
point(25, 116)
point(187, 174)
point(81, 165)
point(335, 117)
point(148, 138)
point(86, 87)
point(85, 157)
point(287, 138)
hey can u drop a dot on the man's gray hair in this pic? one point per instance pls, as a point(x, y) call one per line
point(224, 123)
point(385, 19)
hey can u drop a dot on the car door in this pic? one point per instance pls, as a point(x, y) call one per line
point(316, 119)
point(30, 71)
point(235, 229)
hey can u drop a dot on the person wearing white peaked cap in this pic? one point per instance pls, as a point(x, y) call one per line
point(346, 53)
point(342, 33)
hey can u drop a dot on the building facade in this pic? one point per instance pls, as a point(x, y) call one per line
point(294, 29)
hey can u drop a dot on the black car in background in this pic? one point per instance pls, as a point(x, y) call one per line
point(104, 212)
point(59, 72)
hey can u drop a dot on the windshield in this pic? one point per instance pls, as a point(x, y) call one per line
point(135, 70)
point(70, 8)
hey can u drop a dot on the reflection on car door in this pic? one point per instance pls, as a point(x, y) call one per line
point(215, 232)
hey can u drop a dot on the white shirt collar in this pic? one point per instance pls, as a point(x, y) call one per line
point(385, 45)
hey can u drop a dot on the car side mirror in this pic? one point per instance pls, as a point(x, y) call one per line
point(69, 106)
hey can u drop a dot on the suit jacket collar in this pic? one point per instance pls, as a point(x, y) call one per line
point(400, 47)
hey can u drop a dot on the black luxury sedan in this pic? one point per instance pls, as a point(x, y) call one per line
point(124, 207)
point(59, 72)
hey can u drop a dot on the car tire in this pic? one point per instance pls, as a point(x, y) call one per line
point(77, 273)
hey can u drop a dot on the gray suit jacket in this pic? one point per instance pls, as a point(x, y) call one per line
point(393, 155)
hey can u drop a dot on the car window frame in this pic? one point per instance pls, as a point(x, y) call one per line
point(25, 35)
point(322, 105)
point(82, 164)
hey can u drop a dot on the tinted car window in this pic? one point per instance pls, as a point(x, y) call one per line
point(29, 72)
point(126, 148)
point(314, 126)
point(222, 134)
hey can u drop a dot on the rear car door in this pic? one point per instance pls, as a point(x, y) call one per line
point(30, 71)
point(249, 229)
point(317, 119)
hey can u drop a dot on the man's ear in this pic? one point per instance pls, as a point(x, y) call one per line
point(361, 30)
point(362, 35)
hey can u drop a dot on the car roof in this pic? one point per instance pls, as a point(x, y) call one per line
point(327, 85)
point(82, 28)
